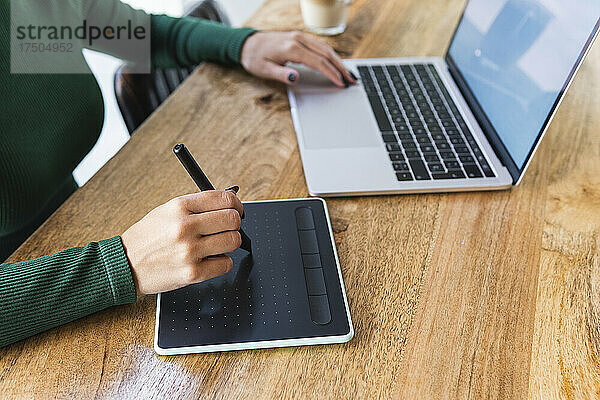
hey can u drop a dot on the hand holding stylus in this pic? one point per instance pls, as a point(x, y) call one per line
point(201, 180)
point(183, 241)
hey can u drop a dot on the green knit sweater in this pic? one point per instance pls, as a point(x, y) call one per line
point(48, 123)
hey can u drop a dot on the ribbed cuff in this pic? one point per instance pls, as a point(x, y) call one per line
point(234, 49)
point(212, 41)
point(117, 270)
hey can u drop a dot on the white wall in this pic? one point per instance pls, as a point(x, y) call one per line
point(114, 133)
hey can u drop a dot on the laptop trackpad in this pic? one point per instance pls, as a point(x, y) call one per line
point(335, 118)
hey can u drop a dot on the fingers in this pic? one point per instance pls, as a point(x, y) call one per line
point(326, 51)
point(217, 244)
point(212, 222)
point(210, 200)
point(280, 73)
point(265, 54)
point(210, 268)
point(299, 53)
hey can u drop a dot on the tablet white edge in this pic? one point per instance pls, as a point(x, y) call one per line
point(268, 343)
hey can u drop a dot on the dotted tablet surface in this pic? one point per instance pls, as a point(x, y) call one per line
point(289, 287)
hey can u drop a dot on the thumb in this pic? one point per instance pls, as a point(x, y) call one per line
point(280, 73)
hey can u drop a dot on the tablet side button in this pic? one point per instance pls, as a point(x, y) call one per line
point(311, 260)
point(308, 242)
point(315, 281)
point(319, 309)
point(304, 218)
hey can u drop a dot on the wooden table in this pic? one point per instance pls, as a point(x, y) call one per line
point(467, 295)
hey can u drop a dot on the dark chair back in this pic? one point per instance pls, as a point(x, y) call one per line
point(138, 95)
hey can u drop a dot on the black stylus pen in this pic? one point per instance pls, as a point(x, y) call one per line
point(192, 167)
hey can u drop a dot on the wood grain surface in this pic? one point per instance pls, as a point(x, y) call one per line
point(468, 295)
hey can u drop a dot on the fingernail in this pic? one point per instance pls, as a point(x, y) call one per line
point(292, 77)
point(234, 189)
point(346, 83)
point(353, 76)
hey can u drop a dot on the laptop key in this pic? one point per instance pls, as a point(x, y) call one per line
point(401, 166)
point(461, 149)
point(434, 124)
point(419, 170)
point(389, 138)
point(380, 115)
point(403, 95)
point(427, 149)
point(447, 155)
point(466, 159)
point(449, 175)
point(364, 73)
point(442, 145)
point(396, 156)
point(471, 141)
point(432, 158)
point(416, 124)
point(472, 171)
point(404, 176)
point(392, 147)
point(413, 154)
point(435, 167)
point(406, 69)
point(409, 145)
point(487, 171)
point(452, 164)
point(480, 158)
point(457, 140)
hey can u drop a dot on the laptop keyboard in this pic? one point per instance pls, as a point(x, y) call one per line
point(424, 133)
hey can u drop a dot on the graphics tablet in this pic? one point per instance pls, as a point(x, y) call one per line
point(289, 292)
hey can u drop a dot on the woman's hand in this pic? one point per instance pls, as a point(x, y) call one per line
point(182, 241)
point(264, 54)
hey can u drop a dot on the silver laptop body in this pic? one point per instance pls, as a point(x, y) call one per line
point(346, 144)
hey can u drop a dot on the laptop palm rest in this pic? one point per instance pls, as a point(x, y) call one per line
point(331, 117)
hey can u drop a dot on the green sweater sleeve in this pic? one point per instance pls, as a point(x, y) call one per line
point(188, 41)
point(174, 42)
point(46, 292)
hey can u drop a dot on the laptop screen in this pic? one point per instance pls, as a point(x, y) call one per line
point(516, 57)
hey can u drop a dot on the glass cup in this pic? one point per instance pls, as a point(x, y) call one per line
point(325, 17)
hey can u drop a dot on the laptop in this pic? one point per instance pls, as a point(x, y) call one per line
point(471, 120)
